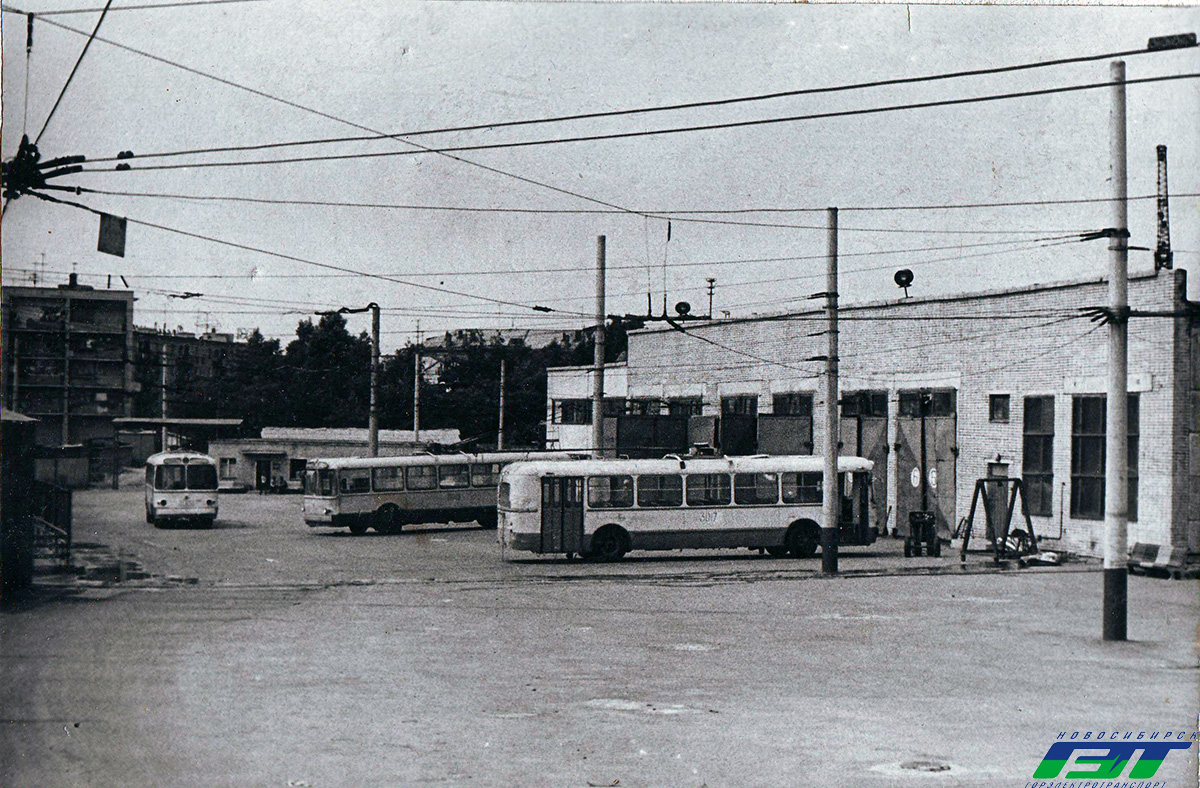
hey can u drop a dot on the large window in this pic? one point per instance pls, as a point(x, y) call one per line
point(708, 489)
point(805, 487)
point(865, 403)
point(998, 408)
point(610, 492)
point(740, 404)
point(685, 406)
point(574, 411)
point(201, 477)
point(296, 468)
point(1037, 462)
point(1088, 414)
point(228, 467)
point(643, 407)
point(937, 403)
point(793, 403)
point(664, 490)
point(755, 488)
point(170, 477)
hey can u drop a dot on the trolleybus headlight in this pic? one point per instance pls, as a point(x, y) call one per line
point(210, 502)
point(163, 502)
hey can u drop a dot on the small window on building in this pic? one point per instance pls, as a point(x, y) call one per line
point(708, 489)
point(1037, 461)
point(610, 492)
point(660, 490)
point(998, 408)
point(228, 467)
point(685, 406)
point(755, 488)
point(740, 405)
point(612, 407)
point(792, 403)
point(296, 468)
point(805, 487)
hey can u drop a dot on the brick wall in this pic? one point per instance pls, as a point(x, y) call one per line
point(1021, 342)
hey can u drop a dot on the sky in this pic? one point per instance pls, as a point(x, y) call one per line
point(290, 70)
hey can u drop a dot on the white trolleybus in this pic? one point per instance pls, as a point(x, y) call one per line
point(387, 493)
point(181, 486)
point(601, 509)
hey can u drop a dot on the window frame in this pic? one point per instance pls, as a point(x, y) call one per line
point(707, 488)
point(804, 481)
point(420, 473)
point(1037, 441)
point(997, 402)
point(627, 487)
point(654, 491)
point(756, 487)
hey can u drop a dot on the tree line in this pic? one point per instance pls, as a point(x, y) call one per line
point(322, 379)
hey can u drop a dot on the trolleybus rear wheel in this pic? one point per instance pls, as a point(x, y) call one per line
point(777, 551)
point(803, 538)
point(387, 520)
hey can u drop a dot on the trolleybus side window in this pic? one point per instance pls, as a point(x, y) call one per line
point(708, 489)
point(756, 488)
point(201, 477)
point(170, 477)
point(664, 490)
point(355, 480)
point(388, 478)
point(421, 477)
point(804, 487)
point(453, 476)
point(610, 492)
point(485, 474)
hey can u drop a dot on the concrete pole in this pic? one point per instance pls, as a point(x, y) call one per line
point(373, 422)
point(163, 395)
point(831, 493)
point(598, 357)
point(1116, 471)
point(500, 430)
point(417, 395)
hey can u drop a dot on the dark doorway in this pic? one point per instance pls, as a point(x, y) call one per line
point(562, 515)
point(933, 414)
point(262, 474)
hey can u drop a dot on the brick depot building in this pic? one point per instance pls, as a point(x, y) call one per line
point(1013, 382)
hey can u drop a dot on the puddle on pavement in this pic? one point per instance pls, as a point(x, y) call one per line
point(621, 704)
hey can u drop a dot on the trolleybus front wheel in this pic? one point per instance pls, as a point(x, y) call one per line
point(610, 543)
point(358, 527)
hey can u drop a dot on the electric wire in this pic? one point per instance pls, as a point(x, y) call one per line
point(1060, 89)
point(293, 258)
point(491, 126)
point(143, 7)
point(74, 69)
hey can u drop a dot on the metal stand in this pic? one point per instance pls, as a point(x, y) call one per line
point(1006, 544)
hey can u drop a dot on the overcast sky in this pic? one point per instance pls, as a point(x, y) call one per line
point(395, 67)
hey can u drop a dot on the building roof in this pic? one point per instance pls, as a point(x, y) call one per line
point(356, 434)
point(137, 421)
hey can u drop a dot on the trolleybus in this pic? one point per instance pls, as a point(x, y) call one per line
point(387, 493)
point(181, 486)
point(601, 509)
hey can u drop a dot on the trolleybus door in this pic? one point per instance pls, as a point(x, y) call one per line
point(562, 514)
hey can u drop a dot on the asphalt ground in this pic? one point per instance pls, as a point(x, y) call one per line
point(266, 653)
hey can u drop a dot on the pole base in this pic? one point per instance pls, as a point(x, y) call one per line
point(1116, 602)
point(829, 551)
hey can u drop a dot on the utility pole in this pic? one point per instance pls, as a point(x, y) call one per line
point(712, 286)
point(831, 492)
point(417, 387)
point(598, 356)
point(500, 431)
point(1116, 446)
point(373, 419)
